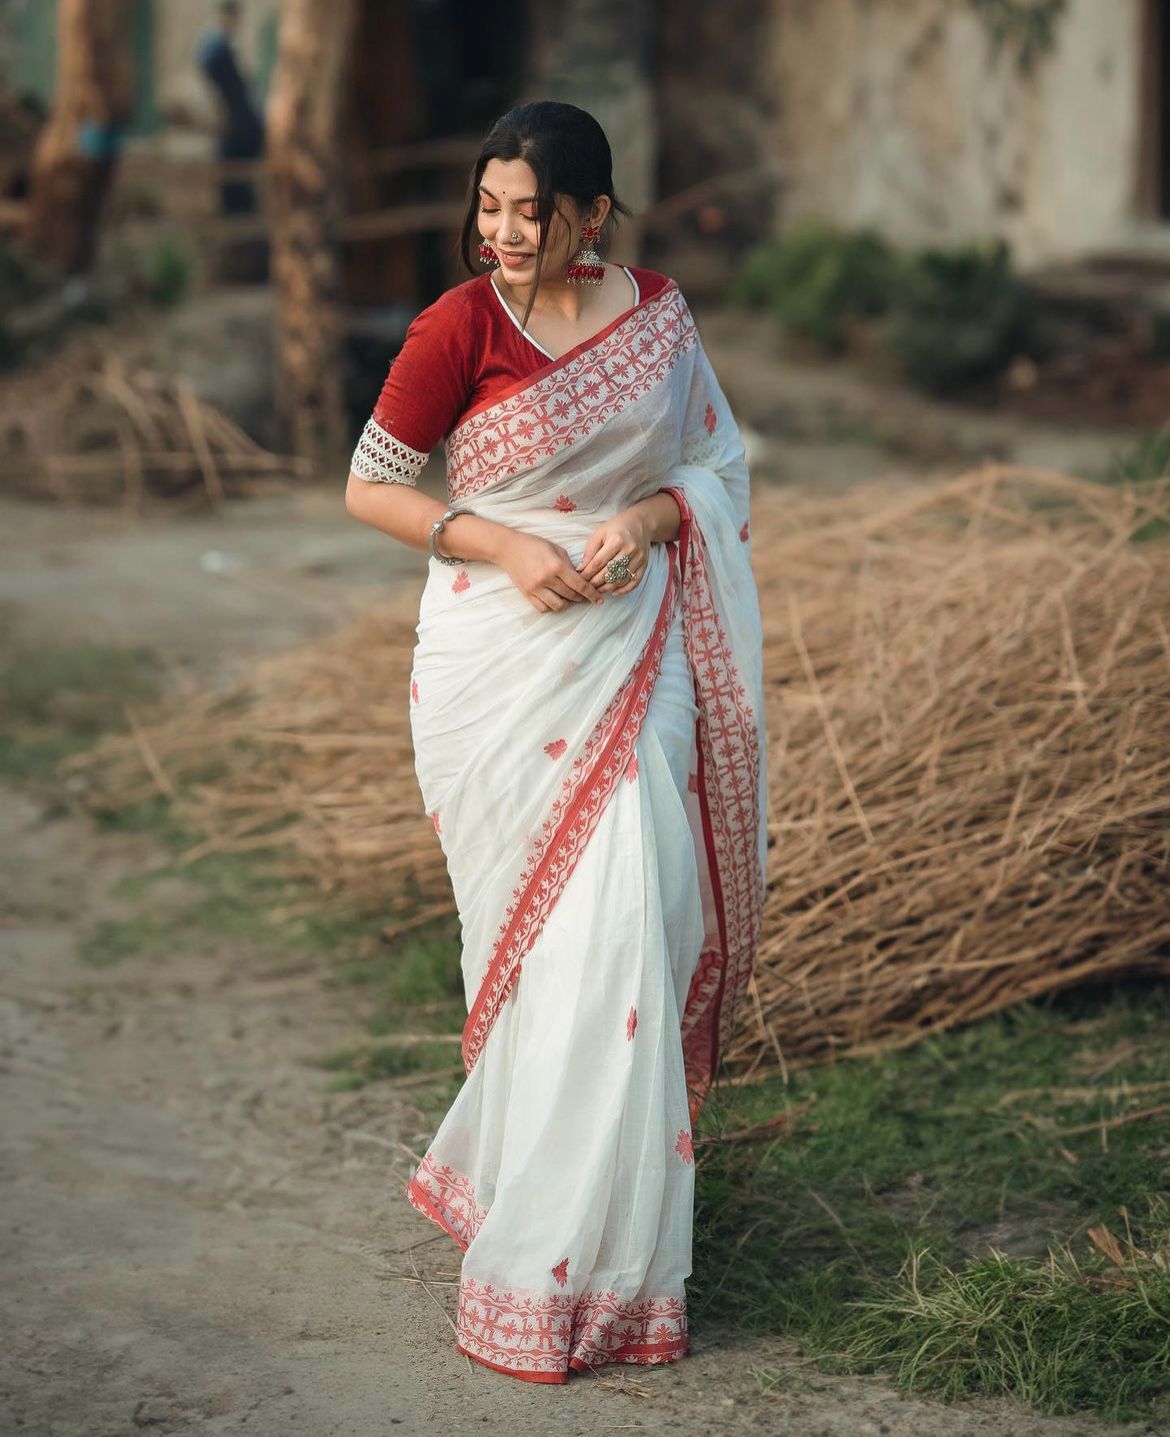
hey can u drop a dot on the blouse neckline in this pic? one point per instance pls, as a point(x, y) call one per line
point(581, 343)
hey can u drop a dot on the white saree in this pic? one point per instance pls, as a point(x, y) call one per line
point(597, 779)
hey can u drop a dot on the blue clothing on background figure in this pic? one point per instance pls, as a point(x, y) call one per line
point(241, 135)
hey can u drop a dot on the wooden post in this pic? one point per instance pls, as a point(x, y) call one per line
point(305, 213)
point(78, 147)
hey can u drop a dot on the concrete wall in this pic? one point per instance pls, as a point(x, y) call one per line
point(898, 114)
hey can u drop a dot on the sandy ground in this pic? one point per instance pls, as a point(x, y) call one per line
point(197, 1236)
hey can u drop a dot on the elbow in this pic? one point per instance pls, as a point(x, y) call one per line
point(353, 495)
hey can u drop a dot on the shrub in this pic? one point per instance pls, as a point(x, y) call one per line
point(961, 317)
point(816, 279)
point(165, 271)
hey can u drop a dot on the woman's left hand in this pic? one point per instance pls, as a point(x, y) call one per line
point(626, 533)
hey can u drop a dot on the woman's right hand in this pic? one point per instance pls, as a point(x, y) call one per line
point(544, 573)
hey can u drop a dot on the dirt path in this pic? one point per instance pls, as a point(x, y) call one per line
point(198, 1237)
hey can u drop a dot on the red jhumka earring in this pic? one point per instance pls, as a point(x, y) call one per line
point(586, 267)
point(487, 255)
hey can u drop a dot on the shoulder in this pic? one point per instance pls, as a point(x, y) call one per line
point(458, 314)
point(446, 330)
point(454, 301)
point(650, 281)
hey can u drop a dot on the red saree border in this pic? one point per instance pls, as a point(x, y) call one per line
point(568, 357)
point(447, 1197)
point(540, 1337)
point(728, 774)
point(591, 781)
point(729, 747)
point(511, 1371)
point(566, 401)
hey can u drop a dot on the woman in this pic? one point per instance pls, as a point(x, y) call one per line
point(596, 780)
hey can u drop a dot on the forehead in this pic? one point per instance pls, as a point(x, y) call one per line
point(509, 177)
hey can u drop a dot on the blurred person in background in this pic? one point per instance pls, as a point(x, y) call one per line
point(240, 129)
point(586, 705)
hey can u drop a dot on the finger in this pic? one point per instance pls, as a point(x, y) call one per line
point(601, 557)
point(581, 588)
point(597, 572)
point(566, 589)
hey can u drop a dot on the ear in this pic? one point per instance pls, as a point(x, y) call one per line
point(599, 210)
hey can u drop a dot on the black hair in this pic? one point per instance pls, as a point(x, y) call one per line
point(567, 151)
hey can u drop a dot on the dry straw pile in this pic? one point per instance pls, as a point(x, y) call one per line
point(93, 430)
point(969, 733)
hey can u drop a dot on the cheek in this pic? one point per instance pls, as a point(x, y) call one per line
point(558, 235)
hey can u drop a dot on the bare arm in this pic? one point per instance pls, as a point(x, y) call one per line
point(661, 516)
point(404, 513)
point(540, 569)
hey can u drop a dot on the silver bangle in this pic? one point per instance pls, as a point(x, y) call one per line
point(437, 529)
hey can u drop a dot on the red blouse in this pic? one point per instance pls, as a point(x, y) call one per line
point(458, 355)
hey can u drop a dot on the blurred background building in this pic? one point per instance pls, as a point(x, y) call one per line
point(1044, 123)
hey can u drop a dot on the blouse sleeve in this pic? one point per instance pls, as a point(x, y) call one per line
point(427, 388)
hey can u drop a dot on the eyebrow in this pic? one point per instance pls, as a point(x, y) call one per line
point(527, 200)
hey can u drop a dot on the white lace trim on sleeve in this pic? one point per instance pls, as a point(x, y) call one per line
point(380, 458)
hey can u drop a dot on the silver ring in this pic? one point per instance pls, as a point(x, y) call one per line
point(617, 569)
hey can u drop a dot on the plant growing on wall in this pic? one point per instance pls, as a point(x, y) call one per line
point(1028, 27)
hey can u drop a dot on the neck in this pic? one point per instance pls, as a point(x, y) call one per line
point(555, 291)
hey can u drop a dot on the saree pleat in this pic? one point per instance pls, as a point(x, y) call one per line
point(595, 777)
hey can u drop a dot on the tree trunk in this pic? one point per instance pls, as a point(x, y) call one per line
point(78, 147)
point(305, 207)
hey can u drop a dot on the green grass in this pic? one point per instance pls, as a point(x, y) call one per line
point(115, 939)
point(227, 900)
point(58, 701)
point(358, 1064)
point(415, 989)
point(871, 1231)
point(1146, 460)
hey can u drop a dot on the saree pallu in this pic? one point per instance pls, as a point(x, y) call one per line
point(596, 776)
